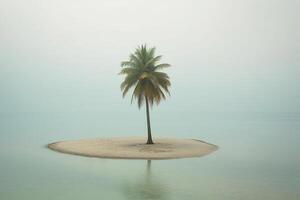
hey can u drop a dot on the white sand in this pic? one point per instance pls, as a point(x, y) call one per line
point(135, 148)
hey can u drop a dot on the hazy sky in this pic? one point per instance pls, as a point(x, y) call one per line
point(226, 54)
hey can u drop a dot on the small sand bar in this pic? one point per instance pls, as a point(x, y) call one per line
point(135, 148)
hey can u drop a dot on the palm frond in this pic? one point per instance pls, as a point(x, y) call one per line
point(140, 100)
point(136, 60)
point(138, 90)
point(129, 82)
point(161, 66)
point(128, 70)
point(127, 64)
point(151, 52)
point(152, 61)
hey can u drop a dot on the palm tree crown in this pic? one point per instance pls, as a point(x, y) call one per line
point(142, 73)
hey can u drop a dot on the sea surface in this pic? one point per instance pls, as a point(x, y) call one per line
point(257, 158)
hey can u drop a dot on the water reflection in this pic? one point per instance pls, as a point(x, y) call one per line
point(148, 187)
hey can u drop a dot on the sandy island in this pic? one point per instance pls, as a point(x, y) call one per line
point(135, 148)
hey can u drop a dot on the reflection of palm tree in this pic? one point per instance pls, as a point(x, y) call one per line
point(146, 188)
point(148, 167)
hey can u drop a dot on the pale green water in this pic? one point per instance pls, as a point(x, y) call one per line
point(235, 83)
point(258, 159)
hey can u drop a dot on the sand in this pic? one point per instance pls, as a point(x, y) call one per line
point(135, 148)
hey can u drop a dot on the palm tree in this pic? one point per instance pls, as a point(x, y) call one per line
point(142, 72)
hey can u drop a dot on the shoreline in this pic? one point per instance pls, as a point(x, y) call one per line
point(134, 148)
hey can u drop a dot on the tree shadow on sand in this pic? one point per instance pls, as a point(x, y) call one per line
point(146, 188)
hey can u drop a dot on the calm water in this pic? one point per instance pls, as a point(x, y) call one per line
point(258, 159)
point(235, 83)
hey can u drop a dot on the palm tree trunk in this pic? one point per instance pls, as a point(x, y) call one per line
point(149, 140)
